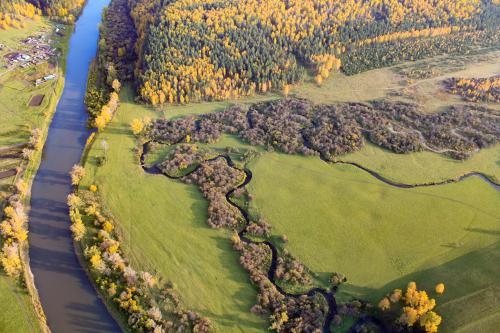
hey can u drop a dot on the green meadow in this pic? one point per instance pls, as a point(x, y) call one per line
point(16, 311)
point(341, 219)
point(426, 166)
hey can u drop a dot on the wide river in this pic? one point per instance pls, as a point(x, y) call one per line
point(68, 298)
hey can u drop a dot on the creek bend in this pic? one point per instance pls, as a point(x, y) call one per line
point(69, 300)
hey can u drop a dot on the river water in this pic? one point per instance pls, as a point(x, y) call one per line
point(68, 298)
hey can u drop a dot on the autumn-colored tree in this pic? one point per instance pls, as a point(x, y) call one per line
point(100, 122)
point(417, 308)
point(137, 126)
point(77, 226)
point(74, 201)
point(384, 304)
point(36, 139)
point(318, 79)
point(22, 187)
point(396, 295)
point(286, 90)
point(77, 173)
point(116, 85)
point(12, 228)
point(10, 260)
point(278, 320)
point(107, 226)
point(430, 321)
point(440, 288)
point(409, 316)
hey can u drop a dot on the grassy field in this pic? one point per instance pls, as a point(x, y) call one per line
point(338, 218)
point(16, 314)
point(164, 230)
point(379, 83)
point(425, 167)
point(341, 88)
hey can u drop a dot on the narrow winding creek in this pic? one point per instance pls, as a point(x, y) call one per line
point(271, 273)
point(70, 302)
point(328, 295)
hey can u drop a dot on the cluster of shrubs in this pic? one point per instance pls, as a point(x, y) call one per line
point(475, 90)
point(215, 178)
point(334, 131)
point(292, 271)
point(148, 305)
point(14, 232)
point(287, 313)
point(260, 228)
point(460, 130)
point(352, 309)
point(279, 125)
point(13, 228)
point(205, 128)
point(182, 157)
point(35, 144)
point(297, 126)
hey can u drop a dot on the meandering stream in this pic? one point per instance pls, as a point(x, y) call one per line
point(271, 273)
point(69, 300)
point(329, 295)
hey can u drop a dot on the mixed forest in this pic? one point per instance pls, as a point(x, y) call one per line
point(13, 13)
point(192, 50)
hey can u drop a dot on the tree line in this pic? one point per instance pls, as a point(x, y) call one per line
point(297, 126)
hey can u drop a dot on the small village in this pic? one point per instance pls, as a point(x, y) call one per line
point(33, 51)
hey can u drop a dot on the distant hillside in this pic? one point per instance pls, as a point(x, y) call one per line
point(192, 50)
point(65, 9)
point(13, 12)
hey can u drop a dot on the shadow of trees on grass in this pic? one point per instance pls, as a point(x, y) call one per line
point(472, 286)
